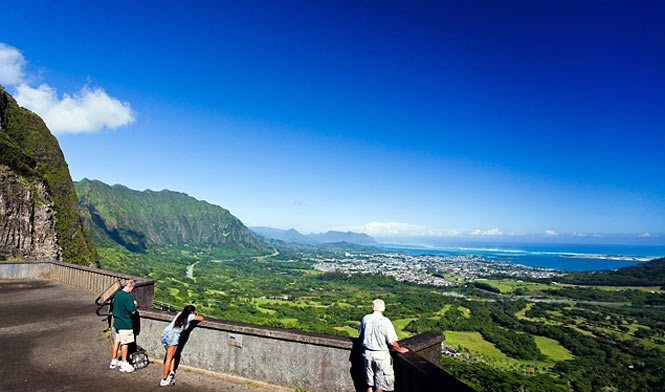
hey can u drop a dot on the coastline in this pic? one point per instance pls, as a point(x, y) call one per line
point(563, 257)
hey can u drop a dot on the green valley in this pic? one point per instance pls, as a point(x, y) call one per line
point(507, 334)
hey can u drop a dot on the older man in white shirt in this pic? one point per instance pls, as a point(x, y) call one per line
point(377, 334)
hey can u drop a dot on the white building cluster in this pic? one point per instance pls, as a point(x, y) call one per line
point(428, 269)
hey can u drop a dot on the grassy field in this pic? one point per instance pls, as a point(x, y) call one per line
point(522, 313)
point(444, 310)
point(507, 286)
point(487, 353)
point(552, 349)
point(399, 327)
point(351, 331)
point(474, 342)
point(656, 289)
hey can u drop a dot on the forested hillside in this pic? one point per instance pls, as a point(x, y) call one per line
point(651, 273)
point(137, 221)
point(33, 164)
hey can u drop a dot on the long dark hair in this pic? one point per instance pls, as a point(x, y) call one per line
point(182, 317)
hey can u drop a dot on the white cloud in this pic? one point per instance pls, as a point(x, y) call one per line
point(490, 232)
point(11, 65)
point(398, 229)
point(551, 233)
point(594, 235)
point(647, 235)
point(86, 111)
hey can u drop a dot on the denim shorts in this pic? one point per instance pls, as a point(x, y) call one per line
point(170, 338)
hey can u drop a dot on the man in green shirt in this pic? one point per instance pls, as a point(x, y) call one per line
point(124, 306)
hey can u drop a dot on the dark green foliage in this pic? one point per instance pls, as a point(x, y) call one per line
point(651, 273)
point(487, 287)
point(31, 150)
point(283, 291)
point(13, 156)
point(140, 220)
point(328, 249)
point(485, 378)
point(495, 323)
point(591, 294)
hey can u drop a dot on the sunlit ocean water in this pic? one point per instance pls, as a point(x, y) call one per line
point(573, 257)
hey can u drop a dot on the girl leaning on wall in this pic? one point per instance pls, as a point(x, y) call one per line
point(171, 339)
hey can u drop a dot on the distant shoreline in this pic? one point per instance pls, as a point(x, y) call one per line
point(566, 257)
point(607, 257)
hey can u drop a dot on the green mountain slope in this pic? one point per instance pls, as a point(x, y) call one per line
point(138, 221)
point(651, 273)
point(29, 149)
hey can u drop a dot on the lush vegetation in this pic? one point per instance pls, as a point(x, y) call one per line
point(651, 273)
point(27, 147)
point(140, 220)
point(575, 337)
point(506, 343)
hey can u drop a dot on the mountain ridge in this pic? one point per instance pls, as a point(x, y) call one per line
point(139, 220)
point(331, 236)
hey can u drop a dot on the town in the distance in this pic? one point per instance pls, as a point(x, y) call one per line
point(429, 269)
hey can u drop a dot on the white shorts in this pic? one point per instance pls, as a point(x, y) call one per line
point(379, 370)
point(124, 336)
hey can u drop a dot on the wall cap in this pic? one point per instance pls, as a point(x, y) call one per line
point(140, 281)
point(292, 335)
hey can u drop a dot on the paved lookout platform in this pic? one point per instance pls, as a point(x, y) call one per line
point(51, 340)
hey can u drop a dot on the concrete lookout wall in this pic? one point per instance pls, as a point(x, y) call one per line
point(311, 361)
point(314, 362)
point(93, 280)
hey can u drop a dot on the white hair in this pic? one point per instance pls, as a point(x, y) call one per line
point(378, 305)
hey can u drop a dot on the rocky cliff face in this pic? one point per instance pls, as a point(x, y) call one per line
point(31, 157)
point(27, 218)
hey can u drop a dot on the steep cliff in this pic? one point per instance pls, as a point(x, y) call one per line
point(27, 218)
point(35, 180)
point(139, 220)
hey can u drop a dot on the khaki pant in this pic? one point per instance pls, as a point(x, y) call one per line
point(124, 336)
point(379, 370)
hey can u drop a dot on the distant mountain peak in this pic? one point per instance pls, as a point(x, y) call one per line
point(331, 236)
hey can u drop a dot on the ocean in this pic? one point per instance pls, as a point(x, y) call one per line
point(567, 257)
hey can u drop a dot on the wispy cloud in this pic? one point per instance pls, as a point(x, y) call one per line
point(551, 233)
point(490, 232)
point(87, 110)
point(12, 65)
point(398, 229)
point(594, 235)
point(647, 235)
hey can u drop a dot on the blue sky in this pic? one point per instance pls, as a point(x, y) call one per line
point(393, 118)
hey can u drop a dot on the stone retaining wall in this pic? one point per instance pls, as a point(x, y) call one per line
point(93, 280)
point(290, 358)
